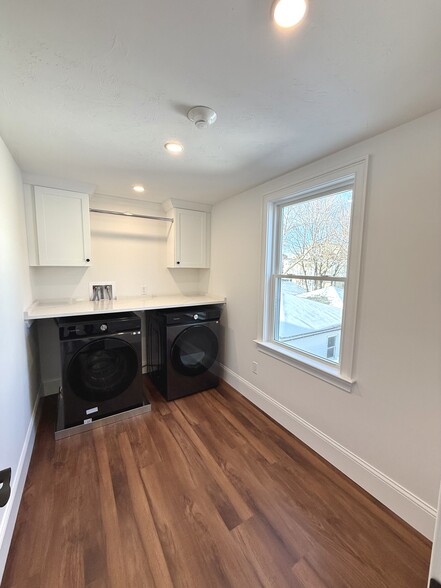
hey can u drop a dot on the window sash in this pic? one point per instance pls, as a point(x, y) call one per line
point(275, 322)
point(345, 184)
point(317, 278)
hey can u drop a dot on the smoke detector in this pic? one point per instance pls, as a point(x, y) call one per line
point(202, 116)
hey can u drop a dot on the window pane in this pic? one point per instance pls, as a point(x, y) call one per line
point(315, 236)
point(309, 319)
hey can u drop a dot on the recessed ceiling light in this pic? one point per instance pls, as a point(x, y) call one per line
point(138, 188)
point(287, 13)
point(174, 147)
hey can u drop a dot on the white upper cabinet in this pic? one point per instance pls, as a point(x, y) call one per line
point(188, 241)
point(58, 227)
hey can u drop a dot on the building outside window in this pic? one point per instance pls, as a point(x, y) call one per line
point(332, 342)
point(313, 248)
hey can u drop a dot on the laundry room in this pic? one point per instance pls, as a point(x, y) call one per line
point(129, 253)
point(220, 337)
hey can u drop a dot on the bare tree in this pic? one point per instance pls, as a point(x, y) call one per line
point(315, 237)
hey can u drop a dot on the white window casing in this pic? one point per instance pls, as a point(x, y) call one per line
point(355, 174)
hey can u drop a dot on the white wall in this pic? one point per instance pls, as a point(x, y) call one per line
point(19, 365)
point(387, 433)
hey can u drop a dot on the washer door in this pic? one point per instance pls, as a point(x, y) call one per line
point(102, 369)
point(194, 350)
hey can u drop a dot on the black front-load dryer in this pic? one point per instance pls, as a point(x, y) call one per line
point(101, 366)
point(182, 349)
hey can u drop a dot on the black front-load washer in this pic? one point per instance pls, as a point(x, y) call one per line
point(182, 348)
point(101, 366)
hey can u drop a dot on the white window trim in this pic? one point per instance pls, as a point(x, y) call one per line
point(341, 375)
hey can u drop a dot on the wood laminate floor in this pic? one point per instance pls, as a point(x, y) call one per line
point(203, 492)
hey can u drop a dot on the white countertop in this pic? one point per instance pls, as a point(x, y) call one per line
point(52, 309)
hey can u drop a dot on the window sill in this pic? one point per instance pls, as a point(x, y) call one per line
point(313, 367)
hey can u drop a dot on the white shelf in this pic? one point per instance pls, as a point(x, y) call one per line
point(53, 309)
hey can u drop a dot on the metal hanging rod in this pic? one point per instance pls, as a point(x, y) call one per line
point(159, 218)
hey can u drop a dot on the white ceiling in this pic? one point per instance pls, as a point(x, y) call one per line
point(91, 90)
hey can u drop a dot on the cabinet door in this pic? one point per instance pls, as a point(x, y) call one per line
point(63, 227)
point(191, 239)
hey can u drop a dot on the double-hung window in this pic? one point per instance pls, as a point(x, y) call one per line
point(313, 242)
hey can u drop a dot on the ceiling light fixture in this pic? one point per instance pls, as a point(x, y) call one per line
point(288, 13)
point(174, 147)
point(202, 116)
point(138, 189)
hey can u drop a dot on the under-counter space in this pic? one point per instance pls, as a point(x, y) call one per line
point(53, 309)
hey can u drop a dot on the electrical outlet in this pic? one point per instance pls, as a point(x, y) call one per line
point(144, 290)
point(5, 486)
point(254, 367)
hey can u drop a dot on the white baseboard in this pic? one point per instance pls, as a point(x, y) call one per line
point(415, 511)
point(51, 386)
point(18, 481)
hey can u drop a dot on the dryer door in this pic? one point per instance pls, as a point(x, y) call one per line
point(102, 369)
point(194, 351)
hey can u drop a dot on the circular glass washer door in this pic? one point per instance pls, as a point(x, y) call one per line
point(194, 351)
point(102, 369)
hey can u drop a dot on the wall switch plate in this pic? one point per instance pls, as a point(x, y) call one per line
point(144, 290)
point(5, 486)
point(254, 367)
